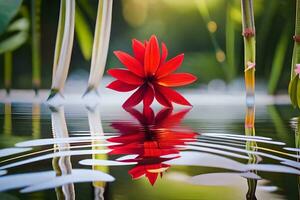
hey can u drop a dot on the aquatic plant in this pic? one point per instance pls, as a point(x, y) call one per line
point(36, 43)
point(63, 46)
point(249, 48)
point(100, 45)
point(151, 73)
point(294, 85)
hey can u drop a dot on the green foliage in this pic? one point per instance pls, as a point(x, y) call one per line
point(9, 9)
point(278, 61)
point(84, 34)
point(20, 34)
point(294, 91)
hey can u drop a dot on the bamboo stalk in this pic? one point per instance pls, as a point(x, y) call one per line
point(249, 48)
point(63, 46)
point(36, 42)
point(101, 43)
point(8, 64)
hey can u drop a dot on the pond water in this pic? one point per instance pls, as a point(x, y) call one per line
point(106, 152)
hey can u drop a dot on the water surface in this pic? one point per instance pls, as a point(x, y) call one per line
point(97, 152)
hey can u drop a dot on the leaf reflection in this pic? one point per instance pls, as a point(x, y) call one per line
point(153, 138)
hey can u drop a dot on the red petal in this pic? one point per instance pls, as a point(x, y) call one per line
point(121, 86)
point(135, 98)
point(130, 63)
point(149, 96)
point(172, 95)
point(164, 53)
point(170, 66)
point(152, 177)
point(125, 76)
point(161, 98)
point(138, 50)
point(152, 56)
point(178, 79)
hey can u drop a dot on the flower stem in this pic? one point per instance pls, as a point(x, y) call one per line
point(36, 41)
point(8, 64)
point(64, 44)
point(249, 46)
point(101, 43)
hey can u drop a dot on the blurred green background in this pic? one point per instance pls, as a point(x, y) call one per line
point(207, 31)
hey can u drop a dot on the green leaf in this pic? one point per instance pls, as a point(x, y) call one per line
point(8, 9)
point(84, 34)
point(293, 90)
point(17, 39)
point(298, 92)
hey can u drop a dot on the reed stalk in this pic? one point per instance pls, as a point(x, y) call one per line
point(8, 64)
point(36, 42)
point(249, 48)
point(294, 85)
point(63, 46)
point(100, 44)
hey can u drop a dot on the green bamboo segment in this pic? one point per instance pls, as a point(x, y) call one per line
point(294, 85)
point(249, 46)
point(8, 65)
point(63, 46)
point(36, 43)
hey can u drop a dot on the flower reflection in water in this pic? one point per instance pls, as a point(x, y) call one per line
point(153, 140)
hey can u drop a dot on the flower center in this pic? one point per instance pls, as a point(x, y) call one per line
point(150, 79)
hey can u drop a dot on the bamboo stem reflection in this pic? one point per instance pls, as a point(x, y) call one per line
point(61, 165)
point(36, 121)
point(7, 129)
point(251, 146)
point(96, 129)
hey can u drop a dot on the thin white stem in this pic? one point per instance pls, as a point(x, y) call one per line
point(101, 42)
point(63, 56)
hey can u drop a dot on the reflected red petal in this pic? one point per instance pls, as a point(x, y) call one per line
point(164, 53)
point(152, 56)
point(173, 96)
point(138, 50)
point(149, 96)
point(169, 66)
point(161, 98)
point(148, 114)
point(137, 172)
point(121, 86)
point(163, 114)
point(130, 63)
point(135, 98)
point(173, 119)
point(179, 79)
point(152, 177)
point(125, 76)
point(137, 115)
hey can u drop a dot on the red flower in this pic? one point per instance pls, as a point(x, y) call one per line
point(150, 72)
point(151, 139)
